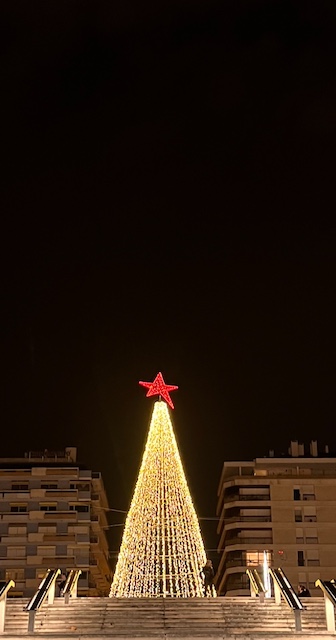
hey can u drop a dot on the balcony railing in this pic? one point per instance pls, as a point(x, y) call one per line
point(247, 519)
point(249, 541)
point(237, 583)
point(250, 497)
point(245, 562)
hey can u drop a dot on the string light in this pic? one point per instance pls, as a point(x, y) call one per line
point(162, 551)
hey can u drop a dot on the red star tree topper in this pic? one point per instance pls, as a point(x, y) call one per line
point(159, 388)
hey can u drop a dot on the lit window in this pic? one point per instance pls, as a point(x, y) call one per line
point(15, 574)
point(256, 558)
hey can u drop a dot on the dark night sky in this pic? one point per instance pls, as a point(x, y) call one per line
point(168, 204)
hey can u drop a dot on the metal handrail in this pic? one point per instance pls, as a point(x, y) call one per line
point(329, 588)
point(46, 588)
point(286, 588)
point(329, 592)
point(283, 587)
point(70, 587)
point(4, 588)
point(257, 586)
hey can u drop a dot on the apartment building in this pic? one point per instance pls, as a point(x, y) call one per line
point(284, 506)
point(52, 515)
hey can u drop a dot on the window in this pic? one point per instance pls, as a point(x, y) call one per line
point(309, 558)
point(80, 486)
point(313, 559)
point(19, 487)
point(48, 486)
point(47, 528)
point(309, 514)
point(18, 508)
point(17, 531)
point(256, 558)
point(16, 552)
point(298, 515)
point(46, 551)
point(307, 536)
point(297, 494)
point(299, 536)
point(303, 578)
point(312, 577)
point(40, 573)
point(78, 529)
point(83, 508)
point(45, 506)
point(15, 574)
point(311, 536)
point(308, 492)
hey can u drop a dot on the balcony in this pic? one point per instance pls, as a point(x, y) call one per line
point(239, 562)
point(60, 493)
point(247, 519)
point(238, 497)
point(60, 538)
point(58, 515)
point(250, 541)
point(57, 561)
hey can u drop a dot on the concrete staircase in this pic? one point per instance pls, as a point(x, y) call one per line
point(226, 618)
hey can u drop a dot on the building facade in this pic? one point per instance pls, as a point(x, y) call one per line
point(285, 506)
point(52, 515)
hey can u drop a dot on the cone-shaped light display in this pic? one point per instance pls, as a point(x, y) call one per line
point(162, 551)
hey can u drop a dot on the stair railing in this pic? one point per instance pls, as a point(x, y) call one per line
point(4, 588)
point(282, 587)
point(70, 587)
point(257, 587)
point(329, 592)
point(46, 588)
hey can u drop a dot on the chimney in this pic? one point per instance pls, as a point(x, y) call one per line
point(301, 449)
point(294, 449)
point(71, 453)
point(313, 448)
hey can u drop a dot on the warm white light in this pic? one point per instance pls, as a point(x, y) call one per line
point(266, 576)
point(162, 551)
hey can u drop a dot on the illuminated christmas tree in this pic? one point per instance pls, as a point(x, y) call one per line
point(162, 551)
